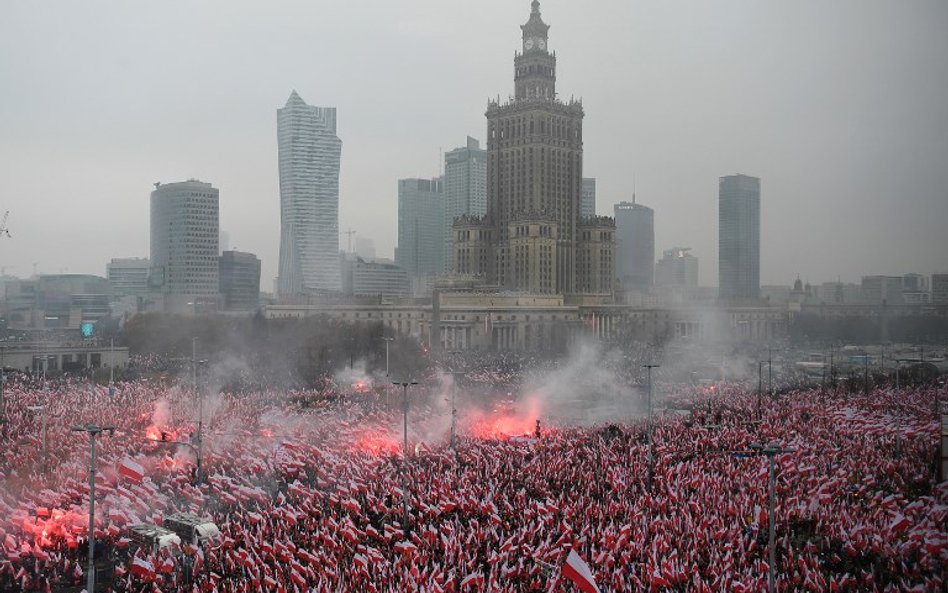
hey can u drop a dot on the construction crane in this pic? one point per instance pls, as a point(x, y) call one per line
point(4, 231)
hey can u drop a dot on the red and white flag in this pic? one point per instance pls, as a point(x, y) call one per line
point(131, 470)
point(143, 569)
point(577, 571)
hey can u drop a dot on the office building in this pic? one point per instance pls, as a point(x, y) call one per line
point(939, 289)
point(309, 199)
point(365, 247)
point(239, 281)
point(528, 240)
point(677, 268)
point(185, 230)
point(420, 250)
point(739, 238)
point(374, 277)
point(128, 276)
point(587, 200)
point(635, 246)
point(465, 189)
point(877, 290)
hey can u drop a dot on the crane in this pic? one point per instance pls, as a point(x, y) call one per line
point(4, 230)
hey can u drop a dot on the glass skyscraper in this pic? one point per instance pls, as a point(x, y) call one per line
point(739, 237)
point(309, 199)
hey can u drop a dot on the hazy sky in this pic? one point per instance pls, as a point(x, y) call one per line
point(841, 107)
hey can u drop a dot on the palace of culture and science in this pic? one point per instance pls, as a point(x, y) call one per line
point(532, 238)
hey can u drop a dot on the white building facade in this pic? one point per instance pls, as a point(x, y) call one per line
point(309, 152)
point(185, 234)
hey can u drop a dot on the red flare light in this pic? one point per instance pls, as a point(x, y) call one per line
point(377, 444)
point(506, 421)
point(58, 526)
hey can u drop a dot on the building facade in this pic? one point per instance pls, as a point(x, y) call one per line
point(239, 281)
point(877, 290)
point(587, 201)
point(374, 277)
point(635, 246)
point(465, 189)
point(531, 231)
point(739, 238)
point(128, 276)
point(309, 199)
point(939, 289)
point(420, 250)
point(185, 230)
point(677, 268)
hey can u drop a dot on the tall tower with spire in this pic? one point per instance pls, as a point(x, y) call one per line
point(533, 238)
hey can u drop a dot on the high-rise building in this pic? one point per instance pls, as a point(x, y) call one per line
point(309, 199)
point(185, 230)
point(420, 250)
point(365, 247)
point(529, 239)
point(940, 289)
point(240, 280)
point(739, 237)
point(128, 276)
point(635, 246)
point(465, 189)
point(877, 290)
point(677, 268)
point(587, 201)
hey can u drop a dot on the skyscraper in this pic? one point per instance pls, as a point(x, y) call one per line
point(309, 198)
point(420, 249)
point(529, 238)
point(465, 189)
point(587, 205)
point(635, 246)
point(185, 230)
point(677, 268)
point(739, 237)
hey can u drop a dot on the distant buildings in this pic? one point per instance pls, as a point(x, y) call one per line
point(185, 229)
point(309, 152)
point(940, 289)
point(379, 277)
point(530, 240)
point(587, 199)
point(877, 290)
point(635, 246)
point(465, 190)
point(739, 238)
point(128, 276)
point(677, 268)
point(239, 281)
point(421, 240)
point(365, 247)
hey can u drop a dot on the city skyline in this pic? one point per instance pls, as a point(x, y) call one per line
point(845, 163)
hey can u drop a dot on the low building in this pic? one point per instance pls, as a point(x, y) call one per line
point(367, 277)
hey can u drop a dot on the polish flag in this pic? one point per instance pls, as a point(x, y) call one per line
point(143, 569)
point(577, 571)
point(131, 470)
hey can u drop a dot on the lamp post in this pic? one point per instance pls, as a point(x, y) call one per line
point(648, 430)
point(454, 409)
point(770, 371)
point(760, 387)
point(34, 410)
point(387, 342)
point(771, 451)
point(404, 385)
point(94, 431)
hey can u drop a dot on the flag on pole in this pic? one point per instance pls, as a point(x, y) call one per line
point(131, 470)
point(578, 572)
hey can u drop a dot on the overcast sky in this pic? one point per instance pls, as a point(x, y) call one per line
point(840, 107)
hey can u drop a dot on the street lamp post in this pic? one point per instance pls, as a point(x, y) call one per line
point(387, 342)
point(771, 451)
point(454, 408)
point(648, 430)
point(34, 410)
point(3, 380)
point(760, 388)
point(94, 431)
point(404, 385)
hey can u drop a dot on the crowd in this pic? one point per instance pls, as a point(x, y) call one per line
point(313, 497)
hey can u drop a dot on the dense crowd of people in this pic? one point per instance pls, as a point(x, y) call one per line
point(313, 492)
